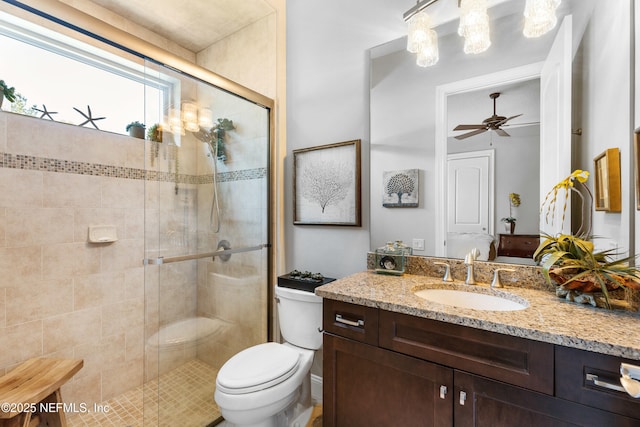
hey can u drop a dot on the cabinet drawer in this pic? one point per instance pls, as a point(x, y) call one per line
point(352, 321)
point(588, 378)
point(513, 360)
point(518, 245)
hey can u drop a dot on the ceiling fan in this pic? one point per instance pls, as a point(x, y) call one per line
point(493, 123)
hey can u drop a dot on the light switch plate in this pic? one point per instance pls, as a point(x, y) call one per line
point(418, 244)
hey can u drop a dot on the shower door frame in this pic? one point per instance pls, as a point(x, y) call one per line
point(78, 21)
point(103, 32)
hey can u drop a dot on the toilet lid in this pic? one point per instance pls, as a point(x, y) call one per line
point(257, 368)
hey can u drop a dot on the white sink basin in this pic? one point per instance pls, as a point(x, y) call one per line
point(473, 300)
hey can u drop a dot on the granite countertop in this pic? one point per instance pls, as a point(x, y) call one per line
point(547, 318)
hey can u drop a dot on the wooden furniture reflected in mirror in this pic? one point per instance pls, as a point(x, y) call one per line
point(607, 181)
point(518, 245)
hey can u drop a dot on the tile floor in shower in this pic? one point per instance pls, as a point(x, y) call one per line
point(184, 396)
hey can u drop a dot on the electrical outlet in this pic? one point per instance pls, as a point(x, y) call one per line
point(418, 244)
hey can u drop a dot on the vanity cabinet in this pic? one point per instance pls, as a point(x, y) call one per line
point(383, 368)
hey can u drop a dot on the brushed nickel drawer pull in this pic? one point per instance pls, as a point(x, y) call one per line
point(463, 397)
point(443, 391)
point(594, 379)
point(358, 324)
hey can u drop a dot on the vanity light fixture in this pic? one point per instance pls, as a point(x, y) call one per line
point(422, 39)
point(474, 26)
point(189, 118)
point(540, 17)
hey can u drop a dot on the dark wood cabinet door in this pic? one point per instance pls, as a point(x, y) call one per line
point(367, 386)
point(480, 402)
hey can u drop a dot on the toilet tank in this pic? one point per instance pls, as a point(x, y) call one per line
point(300, 317)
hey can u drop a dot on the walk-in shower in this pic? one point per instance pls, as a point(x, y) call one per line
point(206, 241)
point(157, 310)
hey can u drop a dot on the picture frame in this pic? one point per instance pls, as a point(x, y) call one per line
point(607, 181)
point(636, 164)
point(327, 185)
point(401, 188)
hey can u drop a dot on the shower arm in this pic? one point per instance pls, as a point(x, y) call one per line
point(162, 260)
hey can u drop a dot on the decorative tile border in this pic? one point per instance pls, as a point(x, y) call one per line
point(20, 161)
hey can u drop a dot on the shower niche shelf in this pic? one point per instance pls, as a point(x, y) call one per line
point(102, 234)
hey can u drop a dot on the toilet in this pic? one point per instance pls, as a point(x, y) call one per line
point(268, 385)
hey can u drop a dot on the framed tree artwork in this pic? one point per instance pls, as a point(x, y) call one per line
point(326, 184)
point(400, 189)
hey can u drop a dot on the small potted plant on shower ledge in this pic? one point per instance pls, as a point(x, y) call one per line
point(7, 92)
point(136, 129)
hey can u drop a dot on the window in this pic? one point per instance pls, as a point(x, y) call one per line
point(60, 74)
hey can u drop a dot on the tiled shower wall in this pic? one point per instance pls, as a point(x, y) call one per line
point(61, 296)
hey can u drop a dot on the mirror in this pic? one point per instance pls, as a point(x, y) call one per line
point(408, 130)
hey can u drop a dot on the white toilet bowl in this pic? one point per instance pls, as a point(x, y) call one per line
point(258, 384)
point(268, 385)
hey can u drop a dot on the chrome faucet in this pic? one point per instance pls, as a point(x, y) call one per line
point(469, 260)
point(495, 283)
point(447, 272)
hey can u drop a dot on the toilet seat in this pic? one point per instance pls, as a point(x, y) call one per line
point(258, 368)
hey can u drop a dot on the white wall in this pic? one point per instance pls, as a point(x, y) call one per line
point(607, 121)
point(327, 102)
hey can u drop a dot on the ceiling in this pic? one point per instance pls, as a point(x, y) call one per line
point(193, 24)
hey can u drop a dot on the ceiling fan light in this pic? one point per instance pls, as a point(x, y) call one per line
point(540, 17)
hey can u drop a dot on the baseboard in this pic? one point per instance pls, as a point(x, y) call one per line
point(316, 388)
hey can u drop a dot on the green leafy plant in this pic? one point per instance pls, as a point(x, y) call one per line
point(572, 263)
point(136, 124)
point(214, 137)
point(219, 130)
point(7, 91)
point(570, 260)
point(154, 133)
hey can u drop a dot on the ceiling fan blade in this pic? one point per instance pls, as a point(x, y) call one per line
point(467, 135)
point(500, 123)
point(522, 124)
point(469, 127)
point(500, 132)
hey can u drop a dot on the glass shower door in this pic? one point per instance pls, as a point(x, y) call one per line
point(206, 242)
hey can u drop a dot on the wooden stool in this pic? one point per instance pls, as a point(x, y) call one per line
point(30, 394)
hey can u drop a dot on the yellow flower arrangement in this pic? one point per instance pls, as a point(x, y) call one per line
point(567, 184)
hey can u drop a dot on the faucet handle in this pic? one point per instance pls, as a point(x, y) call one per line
point(495, 283)
point(447, 272)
